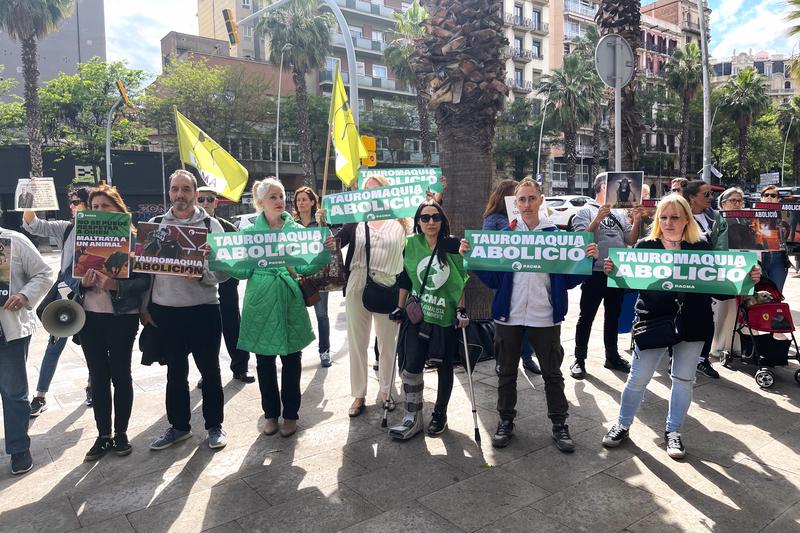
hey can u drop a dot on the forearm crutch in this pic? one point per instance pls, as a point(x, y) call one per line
point(468, 365)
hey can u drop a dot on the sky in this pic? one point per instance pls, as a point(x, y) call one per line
point(134, 28)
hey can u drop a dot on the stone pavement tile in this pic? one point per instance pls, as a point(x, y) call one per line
point(482, 499)
point(118, 524)
point(783, 452)
point(788, 521)
point(525, 520)
point(408, 517)
point(286, 482)
point(421, 476)
point(599, 503)
point(52, 515)
point(228, 527)
point(200, 510)
point(593, 398)
point(324, 510)
point(45, 482)
point(126, 495)
point(381, 451)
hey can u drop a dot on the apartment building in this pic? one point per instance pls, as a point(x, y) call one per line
point(775, 67)
point(527, 29)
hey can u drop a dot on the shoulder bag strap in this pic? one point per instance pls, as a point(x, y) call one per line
point(428, 269)
point(366, 243)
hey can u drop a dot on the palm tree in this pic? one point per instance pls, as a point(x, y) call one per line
point(301, 25)
point(574, 88)
point(586, 46)
point(408, 28)
point(743, 99)
point(624, 18)
point(788, 118)
point(684, 76)
point(27, 21)
point(463, 67)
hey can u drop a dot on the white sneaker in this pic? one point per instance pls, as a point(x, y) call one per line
point(675, 447)
point(217, 438)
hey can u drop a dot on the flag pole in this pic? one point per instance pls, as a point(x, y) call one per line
point(175, 111)
point(327, 161)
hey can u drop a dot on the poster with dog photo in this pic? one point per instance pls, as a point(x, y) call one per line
point(624, 189)
point(5, 270)
point(102, 243)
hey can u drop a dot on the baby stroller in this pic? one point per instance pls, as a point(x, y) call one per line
point(766, 330)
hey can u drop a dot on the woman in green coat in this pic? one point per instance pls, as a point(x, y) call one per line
point(274, 317)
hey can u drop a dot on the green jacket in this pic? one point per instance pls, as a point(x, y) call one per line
point(274, 316)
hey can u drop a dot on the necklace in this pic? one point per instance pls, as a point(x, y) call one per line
point(672, 243)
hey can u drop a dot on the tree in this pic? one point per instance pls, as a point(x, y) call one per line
point(743, 99)
point(300, 25)
point(788, 118)
point(75, 109)
point(586, 46)
point(517, 138)
point(684, 76)
point(318, 109)
point(573, 90)
point(408, 29)
point(463, 68)
point(393, 123)
point(27, 21)
point(12, 115)
point(624, 18)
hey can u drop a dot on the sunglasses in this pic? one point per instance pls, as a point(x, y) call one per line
point(706, 194)
point(428, 218)
point(675, 190)
point(769, 195)
point(206, 199)
point(76, 203)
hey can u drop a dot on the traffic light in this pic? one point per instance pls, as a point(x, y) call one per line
point(369, 143)
point(230, 26)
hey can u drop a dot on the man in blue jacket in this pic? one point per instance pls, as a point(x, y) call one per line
point(531, 304)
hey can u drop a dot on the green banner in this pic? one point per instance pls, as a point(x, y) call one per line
point(552, 252)
point(430, 177)
point(708, 272)
point(251, 248)
point(381, 203)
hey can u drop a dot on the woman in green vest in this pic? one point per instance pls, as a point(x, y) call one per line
point(434, 275)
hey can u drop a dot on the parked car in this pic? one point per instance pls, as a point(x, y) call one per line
point(563, 208)
point(244, 221)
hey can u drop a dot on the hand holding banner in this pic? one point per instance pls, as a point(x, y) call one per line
point(381, 203)
point(102, 243)
point(553, 252)
point(251, 249)
point(708, 272)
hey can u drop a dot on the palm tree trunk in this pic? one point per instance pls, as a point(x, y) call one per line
point(795, 164)
point(684, 136)
point(742, 155)
point(424, 125)
point(569, 154)
point(631, 128)
point(303, 128)
point(33, 117)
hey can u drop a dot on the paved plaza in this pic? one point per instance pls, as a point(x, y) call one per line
point(742, 472)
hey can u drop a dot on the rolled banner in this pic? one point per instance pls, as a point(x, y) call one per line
point(708, 272)
point(381, 203)
point(551, 252)
point(430, 177)
point(251, 248)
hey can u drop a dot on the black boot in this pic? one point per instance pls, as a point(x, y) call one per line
point(438, 423)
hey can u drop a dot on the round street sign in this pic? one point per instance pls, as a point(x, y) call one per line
point(614, 61)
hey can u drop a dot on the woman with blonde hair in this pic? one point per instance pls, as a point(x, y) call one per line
point(674, 228)
point(375, 250)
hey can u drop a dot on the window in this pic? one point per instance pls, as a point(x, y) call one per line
point(518, 11)
point(787, 85)
point(356, 31)
point(382, 143)
point(331, 63)
point(380, 71)
point(536, 49)
point(518, 76)
point(377, 35)
point(361, 68)
point(362, 105)
point(434, 147)
point(412, 146)
point(536, 19)
point(246, 4)
point(518, 43)
point(248, 32)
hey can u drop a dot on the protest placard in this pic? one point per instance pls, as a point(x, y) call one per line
point(381, 203)
point(172, 250)
point(38, 194)
point(251, 248)
point(430, 177)
point(706, 272)
point(557, 252)
point(102, 243)
point(755, 229)
point(5, 270)
point(624, 189)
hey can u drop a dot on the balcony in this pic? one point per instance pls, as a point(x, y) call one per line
point(689, 25)
point(368, 82)
point(541, 28)
point(523, 56)
point(527, 24)
point(570, 35)
point(521, 86)
point(361, 44)
point(583, 151)
point(366, 8)
point(576, 8)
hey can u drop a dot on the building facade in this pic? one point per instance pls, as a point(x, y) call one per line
point(774, 67)
point(527, 28)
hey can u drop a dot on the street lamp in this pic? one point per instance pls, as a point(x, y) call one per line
point(286, 47)
point(163, 174)
point(541, 132)
point(783, 159)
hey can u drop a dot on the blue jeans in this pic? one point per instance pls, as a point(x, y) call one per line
point(644, 364)
point(775, 267)
point(49, 363)
point(14, 393)
point(323, 324)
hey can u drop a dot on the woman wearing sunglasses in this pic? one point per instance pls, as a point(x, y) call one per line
point(776, 263)
point(433, 273)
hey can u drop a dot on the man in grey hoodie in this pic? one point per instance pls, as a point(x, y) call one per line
point(30, 278)
point(185, 312)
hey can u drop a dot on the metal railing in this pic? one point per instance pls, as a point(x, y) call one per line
point(521, 86)
point(367, 7)
point(580, 9)
point(359, 42)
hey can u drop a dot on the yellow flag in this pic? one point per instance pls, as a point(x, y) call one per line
point(217, 167)
point(346, 141)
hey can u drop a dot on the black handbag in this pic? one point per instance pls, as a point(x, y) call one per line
point(660, 332)
point(378, 298)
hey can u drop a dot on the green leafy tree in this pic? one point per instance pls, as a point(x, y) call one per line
point(307, 31)
point(684, 76)
point(27, 21)
point(318, 109)
point(743, 99)
point(398, 54)
point(572, 89)
point(12, 114)
point(517, 138)
point(586, 46)
point(394, 122)
point(787, 116)
point(75, 109)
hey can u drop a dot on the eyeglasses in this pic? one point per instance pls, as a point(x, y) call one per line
point(675, 190)
point(732, 201)
point(206, 199)
point(430, 218)
point(76, 203)
point(769, 195)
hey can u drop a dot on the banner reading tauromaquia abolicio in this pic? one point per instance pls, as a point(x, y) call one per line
point(381, 203)
point(250, 249)
point(708, 272)
point(556, 252)
point(430, 177)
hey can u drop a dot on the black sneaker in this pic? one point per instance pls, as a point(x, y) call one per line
point(200, 384)
point(615, 436)
point(706, 368)
point(89, 401)
point(101, 446)
point(578, 369)
point(38, 406)
point(438, 423)
point(375, 365)
point(530, 365)
point(618, 363)
point(562, 438)
point(122, 445)
point(675, 447)
point(21, 462)
point(244, 377)
point(501, 437)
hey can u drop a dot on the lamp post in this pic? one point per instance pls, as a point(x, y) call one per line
point(163, 174)
point(541, 132)
point(287, 46)
point(109, 121)
point(783, 159)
